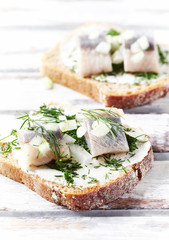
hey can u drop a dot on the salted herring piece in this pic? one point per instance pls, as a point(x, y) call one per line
point(94, 56)
point(140, 55)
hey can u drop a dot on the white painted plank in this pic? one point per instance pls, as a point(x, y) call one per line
point(26, 13)
point(150, 193)
point(29, 93)
point(30, 41)
point(156, 126)
point(128, 228)
point(25, 91)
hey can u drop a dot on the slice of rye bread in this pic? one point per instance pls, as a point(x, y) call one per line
point(78, 199)
point(110, 94)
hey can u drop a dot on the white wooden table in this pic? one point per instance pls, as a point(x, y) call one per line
point(27, 29)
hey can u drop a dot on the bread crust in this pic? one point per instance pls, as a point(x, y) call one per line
point(110, 94)
point(76, 199)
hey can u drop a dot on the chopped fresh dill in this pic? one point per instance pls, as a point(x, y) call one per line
point(68, 167)
point(88, 171)
point(147, 75)
point(132, 142)
point(163, 54)
point(117, 69)
point(73, 68)
point(101, 77)
point(58, 175)
point(17, 148)
point(38, 154)
point(51, 113)
point(84, 177)
point(79, 141)
point(97, 166)
point(93, 180)
point(140, 77)
point(113, 32)
point(106, 176)
point(132, 155)
point(113, 162)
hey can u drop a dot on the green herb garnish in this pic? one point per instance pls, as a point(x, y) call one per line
point(132, 142)
point(93, 180)
point(84, 177)
point(48, 135)
point(113, 32)
point(117, 164)
point(163, 54)
point(79, 141)
point(7, 147)
point(117, 69)
point(68, 167)
point(140, 77)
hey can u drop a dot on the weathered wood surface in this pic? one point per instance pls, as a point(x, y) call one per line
point(150, 193)
point(128, 228)
point(25, 91)
point(27, 29)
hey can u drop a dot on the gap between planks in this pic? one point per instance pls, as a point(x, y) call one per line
point(92, 213)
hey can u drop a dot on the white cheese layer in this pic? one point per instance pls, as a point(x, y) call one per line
point(89, 167)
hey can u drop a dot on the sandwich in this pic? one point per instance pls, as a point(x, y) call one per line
point(115, 67)
point(81, 159)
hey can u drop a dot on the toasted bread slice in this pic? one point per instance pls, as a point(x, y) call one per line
point(86, 192)
point(121, 95)
point(78, 199)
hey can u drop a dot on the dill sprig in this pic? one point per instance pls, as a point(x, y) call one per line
point(163, 54)
point(99, 115)
point(52, 139)
point(7, 147)
point(52, 113)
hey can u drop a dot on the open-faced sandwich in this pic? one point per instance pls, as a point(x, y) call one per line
point(80, 159)
point(113, 66)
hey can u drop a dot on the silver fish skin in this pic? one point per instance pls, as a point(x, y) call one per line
point(150, 61)
point(106, 144)
point(90, 61)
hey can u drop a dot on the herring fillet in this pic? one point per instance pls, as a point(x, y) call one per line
point(32, 154)
point(149, 63)
point(107, 143)
point(92, 62)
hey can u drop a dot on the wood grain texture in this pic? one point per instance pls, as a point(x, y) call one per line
point(27, 92)
point(42, 13)
point(128, 228)
point(27, 29)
